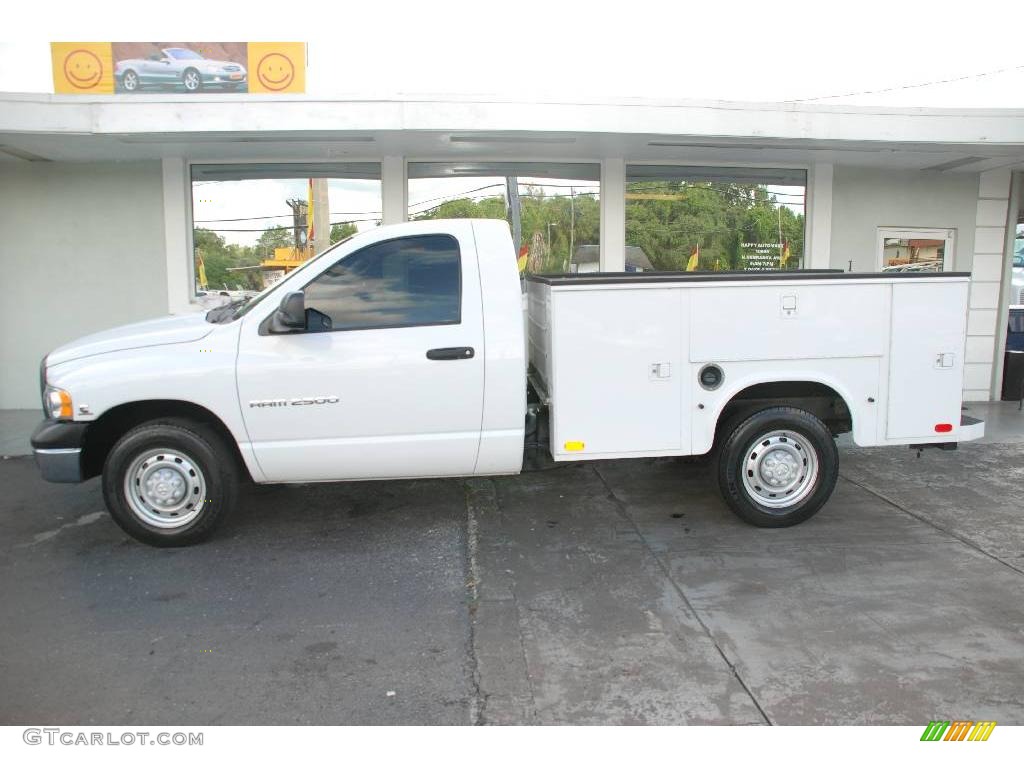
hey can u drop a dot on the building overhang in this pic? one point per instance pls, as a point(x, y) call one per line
point(38, 128)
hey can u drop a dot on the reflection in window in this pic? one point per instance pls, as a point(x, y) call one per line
point(255, 222)
point(553, 209)
point(908, 254)
point(396, 283)
point(711, 219)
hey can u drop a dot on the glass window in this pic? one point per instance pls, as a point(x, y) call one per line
point(553, 209)
point(915, 250)
point(255, 222)
point(700, 218)
point(392, 284)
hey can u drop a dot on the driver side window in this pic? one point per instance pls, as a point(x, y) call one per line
point(409, 281)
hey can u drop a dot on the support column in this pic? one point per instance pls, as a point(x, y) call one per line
point(613, 215)
point(394, 190)
point(982, 369)
point(818, 245)
point(177, 226)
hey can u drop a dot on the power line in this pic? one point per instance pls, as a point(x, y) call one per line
point(914, 85)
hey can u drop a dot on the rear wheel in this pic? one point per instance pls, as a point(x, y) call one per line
point(170, 484)
point(778, 467)
point(130, 81)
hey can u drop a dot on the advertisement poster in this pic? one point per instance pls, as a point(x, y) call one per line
point(180, 68)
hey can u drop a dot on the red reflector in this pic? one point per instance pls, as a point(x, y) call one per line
point(943, 427)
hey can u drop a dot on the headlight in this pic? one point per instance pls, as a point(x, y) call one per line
point(58, 403)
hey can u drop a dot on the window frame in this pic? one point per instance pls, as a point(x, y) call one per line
point(264, 328)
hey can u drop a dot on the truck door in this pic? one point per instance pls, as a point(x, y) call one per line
point(394, 388)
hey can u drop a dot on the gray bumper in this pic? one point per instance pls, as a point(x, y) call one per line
point(59, 465)
point(57, 446)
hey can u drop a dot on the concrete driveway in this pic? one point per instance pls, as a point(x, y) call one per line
point(616, 592)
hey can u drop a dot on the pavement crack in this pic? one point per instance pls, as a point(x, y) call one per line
point(477, 702)
point(937, 526)
point(663, 567)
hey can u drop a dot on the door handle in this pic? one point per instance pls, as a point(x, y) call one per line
point(450, 353)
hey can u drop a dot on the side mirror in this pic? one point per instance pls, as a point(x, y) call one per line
point(291, 315)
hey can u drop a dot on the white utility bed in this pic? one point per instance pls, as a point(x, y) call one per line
point(619, 355)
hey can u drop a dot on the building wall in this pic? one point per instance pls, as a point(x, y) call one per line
point(82, 250)
point(864, 199)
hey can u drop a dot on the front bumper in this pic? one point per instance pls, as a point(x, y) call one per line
point(57, 447)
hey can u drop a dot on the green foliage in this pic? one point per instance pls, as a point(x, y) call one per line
point(537, 212)
point(718, 217)
point(218, 256)
point(342, 231)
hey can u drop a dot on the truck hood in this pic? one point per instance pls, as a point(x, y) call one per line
point(149, 333)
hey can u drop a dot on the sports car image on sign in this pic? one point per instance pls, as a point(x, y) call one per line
point(181, 69)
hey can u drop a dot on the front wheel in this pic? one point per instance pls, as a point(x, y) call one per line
point(170, 484)
point(192, 80)
point(778, 467)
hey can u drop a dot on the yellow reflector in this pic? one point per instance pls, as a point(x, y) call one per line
point(65, 405)
point(574, 445)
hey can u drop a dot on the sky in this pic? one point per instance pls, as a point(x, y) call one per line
point(910, 54)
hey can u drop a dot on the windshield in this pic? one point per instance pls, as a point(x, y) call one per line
point(237, 309)
point(182, 53)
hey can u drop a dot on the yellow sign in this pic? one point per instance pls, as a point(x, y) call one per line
point(277, 67)
point(180, 68)
point(82, 68)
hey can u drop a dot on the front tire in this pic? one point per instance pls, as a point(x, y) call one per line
point(192, 80)
point(170, 483)
point(778, 467)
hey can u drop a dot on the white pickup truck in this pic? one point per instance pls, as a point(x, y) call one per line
point(403, 352)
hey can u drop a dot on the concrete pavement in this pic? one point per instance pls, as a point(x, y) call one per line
point(615, 592)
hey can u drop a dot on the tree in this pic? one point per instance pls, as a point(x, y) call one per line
point(342, 231)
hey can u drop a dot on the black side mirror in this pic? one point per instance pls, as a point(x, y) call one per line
point(291, 315)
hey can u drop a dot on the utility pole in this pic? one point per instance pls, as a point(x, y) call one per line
point(298, 222)
point(512, 189)
point(572, 226)
point(321, 216)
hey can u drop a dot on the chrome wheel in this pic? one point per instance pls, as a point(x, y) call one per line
point(780, 469)
point(165, 488)
point(130, 81)
point(191, 80)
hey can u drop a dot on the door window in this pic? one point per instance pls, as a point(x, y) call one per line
point(397, 283)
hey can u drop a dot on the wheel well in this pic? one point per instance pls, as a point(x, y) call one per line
point(103, 433)
point(812, 396)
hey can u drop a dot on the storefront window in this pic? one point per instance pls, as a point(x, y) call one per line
point(553, 209)
point(714, 219)
point(255, 222)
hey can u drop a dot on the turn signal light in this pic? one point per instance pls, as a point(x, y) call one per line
point(58, 403)
point(943, 427)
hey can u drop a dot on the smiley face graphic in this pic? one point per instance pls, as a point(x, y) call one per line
point(83, 69)
point(275, 71)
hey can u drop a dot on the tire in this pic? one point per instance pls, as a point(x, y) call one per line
point(170, 483)
point(777, 467)
point(192, 80)
point(130, 81)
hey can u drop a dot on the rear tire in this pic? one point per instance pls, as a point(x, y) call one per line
point(170, 483)
point(778, 467)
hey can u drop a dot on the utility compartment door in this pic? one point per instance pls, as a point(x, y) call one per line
point(926, 364)
point(617, 359)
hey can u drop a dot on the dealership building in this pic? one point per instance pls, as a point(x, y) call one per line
point(100, 196)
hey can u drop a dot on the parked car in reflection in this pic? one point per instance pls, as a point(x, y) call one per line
point(1017, 278)
point(179, 67)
